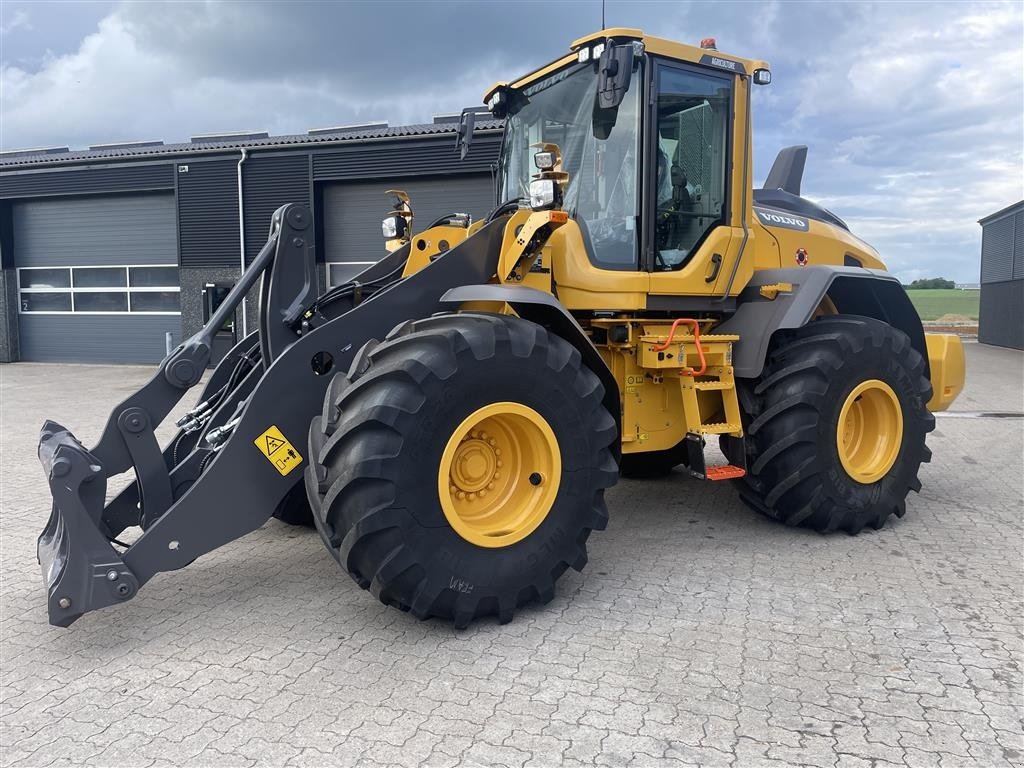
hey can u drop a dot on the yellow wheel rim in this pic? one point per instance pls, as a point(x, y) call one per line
point(499, 474)
point(870, 431)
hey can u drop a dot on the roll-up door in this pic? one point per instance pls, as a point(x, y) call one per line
point(97, 278)
point(353, 212)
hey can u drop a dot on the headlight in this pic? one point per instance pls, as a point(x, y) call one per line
point(392, 227)
point(544, 161)
point(542, 193)
point(762, 76)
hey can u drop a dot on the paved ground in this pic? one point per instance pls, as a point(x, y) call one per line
point(699, 633)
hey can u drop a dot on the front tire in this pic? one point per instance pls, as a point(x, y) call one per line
point(836, 425)
point(460, 466)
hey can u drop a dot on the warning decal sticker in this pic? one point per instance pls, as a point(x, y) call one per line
point(278, 450)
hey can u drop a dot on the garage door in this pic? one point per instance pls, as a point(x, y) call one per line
point(353, 212)
point(97, 278)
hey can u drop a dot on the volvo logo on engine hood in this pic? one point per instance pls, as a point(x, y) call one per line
point(773, 218)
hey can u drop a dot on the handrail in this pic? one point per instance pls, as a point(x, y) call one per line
point(685, 370)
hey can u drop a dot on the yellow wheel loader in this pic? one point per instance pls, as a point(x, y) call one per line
point(450, 419)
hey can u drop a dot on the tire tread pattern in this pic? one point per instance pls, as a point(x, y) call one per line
point(354, 442)
point(787, 459)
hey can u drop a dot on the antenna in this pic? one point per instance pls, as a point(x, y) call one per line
point(602, 15)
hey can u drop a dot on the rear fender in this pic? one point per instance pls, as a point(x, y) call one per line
point(853, 291)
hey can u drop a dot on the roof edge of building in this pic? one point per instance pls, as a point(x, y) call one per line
point(270, 143)
point(1002, 212)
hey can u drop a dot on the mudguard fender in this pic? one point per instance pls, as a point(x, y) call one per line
point(853, 290)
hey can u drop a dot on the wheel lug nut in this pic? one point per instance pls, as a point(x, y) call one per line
point(498, 463)
point(492, 442)
point(460, 495)
point(490, 486)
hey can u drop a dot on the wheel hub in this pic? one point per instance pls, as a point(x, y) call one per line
point(477, 464)
point(499, 474)
point(869, 434)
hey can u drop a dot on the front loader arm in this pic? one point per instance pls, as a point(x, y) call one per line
point(135, 418)
point(227, 485)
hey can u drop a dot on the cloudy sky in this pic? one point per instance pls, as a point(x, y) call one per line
point(914, 112)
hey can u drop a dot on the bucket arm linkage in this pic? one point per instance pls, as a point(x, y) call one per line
point(81, 568)
point(225, 487)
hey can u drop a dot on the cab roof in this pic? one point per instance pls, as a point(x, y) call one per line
point(659, 46)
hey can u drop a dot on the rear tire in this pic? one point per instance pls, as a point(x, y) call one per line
point(377, 459)
point(797, 416)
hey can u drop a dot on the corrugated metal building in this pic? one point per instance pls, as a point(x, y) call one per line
point(1001, 318)
point(104, 251)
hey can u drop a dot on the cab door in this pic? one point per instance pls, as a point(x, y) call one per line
point(692, 235)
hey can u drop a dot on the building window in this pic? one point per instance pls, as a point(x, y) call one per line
point(152, 290)
point(339, 272)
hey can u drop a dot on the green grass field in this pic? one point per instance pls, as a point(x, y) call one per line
point(933, 304)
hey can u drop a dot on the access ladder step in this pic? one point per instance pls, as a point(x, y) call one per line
point(724, 472)
point(719, 429)
point(709, 385)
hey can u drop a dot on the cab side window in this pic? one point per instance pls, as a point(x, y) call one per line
point(692, 116)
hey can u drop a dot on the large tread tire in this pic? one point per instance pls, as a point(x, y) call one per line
point(376, 449)
point(791, 413)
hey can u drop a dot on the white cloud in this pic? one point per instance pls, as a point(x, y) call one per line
point(19, 19)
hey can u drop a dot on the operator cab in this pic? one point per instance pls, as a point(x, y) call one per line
point(644, 128)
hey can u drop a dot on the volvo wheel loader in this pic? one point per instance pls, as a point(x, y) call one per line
point(450, 419)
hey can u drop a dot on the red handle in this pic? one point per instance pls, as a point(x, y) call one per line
point(696, 340)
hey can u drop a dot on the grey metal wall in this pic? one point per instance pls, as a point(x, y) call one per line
point(95, 229)
point(105, 213)
point(417, 157)
point(8, 316)
point(1001, 314)
point(270, 181)
point(208, 213)
point(104, 178)
point(84, 338)
point(353, 211)
point(89, 231)
point(1002, 252)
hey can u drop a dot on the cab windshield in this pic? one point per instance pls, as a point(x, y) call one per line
point(601, 195)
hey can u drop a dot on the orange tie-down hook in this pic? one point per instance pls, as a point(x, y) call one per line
point(687, 371)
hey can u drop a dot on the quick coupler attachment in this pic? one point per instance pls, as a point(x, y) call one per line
point(81, 569)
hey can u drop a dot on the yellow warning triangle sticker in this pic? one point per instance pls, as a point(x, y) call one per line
point(279, 452)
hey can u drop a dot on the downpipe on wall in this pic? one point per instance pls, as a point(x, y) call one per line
point(241, 238)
